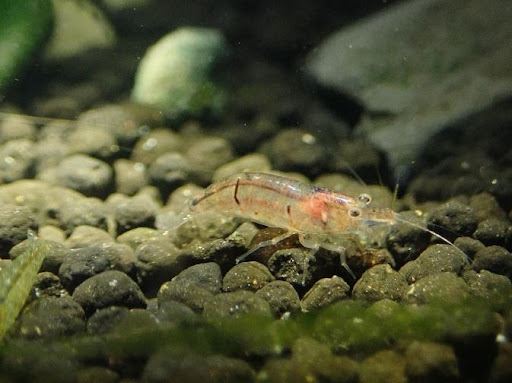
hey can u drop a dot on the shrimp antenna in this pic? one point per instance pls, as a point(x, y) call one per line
point(354, 173)
point(438, 236)
point(395, 193)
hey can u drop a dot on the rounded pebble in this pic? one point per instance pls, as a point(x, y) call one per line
point(83, 263)
point(235, 305)
point(452, 219)
point(15, 224)
point(130, 176)
point(250, 276)
point(51, 317)
point(435, 259)
point(324, 292)
point(441, 287)
point(109, 288)
point(87, 175)
point(494, 258)
point(380, 282)
point(494, 231)
point(281, 296)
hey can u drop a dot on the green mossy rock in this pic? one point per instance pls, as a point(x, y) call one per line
point(179, 74)
point(24, 25)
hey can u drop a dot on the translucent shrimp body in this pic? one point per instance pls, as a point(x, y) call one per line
point(278, 201)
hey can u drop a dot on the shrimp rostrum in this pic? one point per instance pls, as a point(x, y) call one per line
point(309, 211)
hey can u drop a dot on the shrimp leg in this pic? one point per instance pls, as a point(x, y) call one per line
point(271, 242)
point(315, 246)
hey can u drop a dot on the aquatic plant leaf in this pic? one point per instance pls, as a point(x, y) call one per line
point(16, 281)
point(24, 25)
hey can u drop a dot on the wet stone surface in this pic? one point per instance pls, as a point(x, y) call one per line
point(380, 282)
point(324, 292)
point(108, 288)
point(436, 259)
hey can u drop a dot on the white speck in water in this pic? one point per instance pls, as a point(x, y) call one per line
point(150, 144)
point(357, 320)
point(464, 165)
point(308, 139)
point(113, 283)
point(139, 167)
point(9, 160)
point(501, 338)
point(494, 181)
point(350, 46)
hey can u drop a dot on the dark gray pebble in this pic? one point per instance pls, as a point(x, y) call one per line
point(295, 266)
point(443, 287)
point(176, 313)
point(221, 251)
point(95, 141)
point(154, 144)
point(190, 294)
point(469, 246)
point(157, 262)
point(130, 176)
point(138, 236)
point(134, 321)
point(82, 212)
point(51, 317)
point(54, 258)
point(486, 206)
point(494, 258)
point(85, 262)
point(494, 231)
point(296, 150)
point(205, 275)
point(281, 297)
point(235, 305)
point(452, 219)
point(435, 259)
point(205, 155)
point(250, 276)
point(47, 285)
point(429, 362)
point(204, 227)
point(324, 292)
point(85, 236)
point(16, 159)
point(110, 288)
point(380, 282)
point(493, 288)
point(104, 320)
point(15, 223)
point(129, 213)
point(405, 241)
point(169, 171)
point(88, 175)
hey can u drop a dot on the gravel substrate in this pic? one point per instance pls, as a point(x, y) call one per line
point(133, 290)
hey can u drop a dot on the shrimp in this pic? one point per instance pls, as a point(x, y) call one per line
point(311, 212)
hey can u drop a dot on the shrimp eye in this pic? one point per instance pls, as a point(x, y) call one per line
point(365, 198)
point(354, 212)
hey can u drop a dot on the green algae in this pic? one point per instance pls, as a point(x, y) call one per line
point(16, 281)
point(346, 327)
